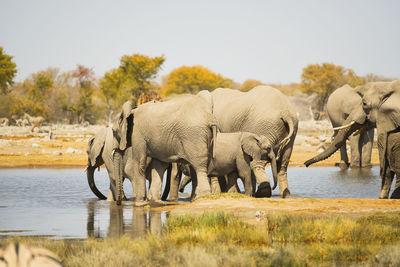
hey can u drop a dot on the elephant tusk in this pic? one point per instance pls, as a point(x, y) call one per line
point(344, 126)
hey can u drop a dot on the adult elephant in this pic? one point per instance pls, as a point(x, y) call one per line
point(264, 111)
point(178, 129)
point(107, 147)
point(342, 105)
point(379, 107)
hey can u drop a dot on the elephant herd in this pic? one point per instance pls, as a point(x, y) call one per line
point(216, 137)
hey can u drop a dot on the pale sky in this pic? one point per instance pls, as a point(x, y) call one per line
point(269, 41)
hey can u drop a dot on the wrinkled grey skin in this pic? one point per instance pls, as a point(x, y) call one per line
point(109, 146)
point(236, 155)
point(178, 129)
point(264, 111)
point(379, 107)
point(100, 151)
point(340, 106)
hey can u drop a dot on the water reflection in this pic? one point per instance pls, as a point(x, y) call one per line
point(132, 221)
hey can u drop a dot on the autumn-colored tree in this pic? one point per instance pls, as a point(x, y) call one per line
point(7, 71)
point(37, 89)
point(193, 79)
point(324, 78)
point(249, 84)
point(133, 77)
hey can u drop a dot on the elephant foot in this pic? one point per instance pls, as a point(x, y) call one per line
point(366, 166)
point(158, 203)
point(342, 165)
point(264, 190)
point(141, 203)
point(354, 166)
point(285, 193)
point(396, 194)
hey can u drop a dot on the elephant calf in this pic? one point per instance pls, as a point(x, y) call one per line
point(237, 155)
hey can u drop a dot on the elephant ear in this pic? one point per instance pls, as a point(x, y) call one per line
point(251, 145)
point(123, 126)
point(95, 146)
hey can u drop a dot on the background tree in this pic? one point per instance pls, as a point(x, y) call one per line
point(324, 79)
point(193, 79)
point(85, 79)
point(37, 89)
point(130, 80)
point(250, 84)
point(7, 71)
point(371, 77)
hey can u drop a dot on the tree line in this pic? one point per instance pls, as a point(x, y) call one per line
point(79, 96)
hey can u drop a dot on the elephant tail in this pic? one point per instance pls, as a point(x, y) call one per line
point(292, 124)
point(214, 138)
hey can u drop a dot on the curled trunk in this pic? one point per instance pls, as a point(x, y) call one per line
point(90, 177)
point(338, 142)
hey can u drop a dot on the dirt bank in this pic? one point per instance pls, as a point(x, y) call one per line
point(253, 210)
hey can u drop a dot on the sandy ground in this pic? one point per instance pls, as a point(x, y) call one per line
point(254, 210)
point(65, 146)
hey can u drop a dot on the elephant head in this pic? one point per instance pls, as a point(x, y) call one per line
point(122, 130)
point(259, 148)
point(381, 104)
point(94, 150)
point(356, 120)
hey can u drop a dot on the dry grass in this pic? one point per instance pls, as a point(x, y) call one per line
point(222, 239)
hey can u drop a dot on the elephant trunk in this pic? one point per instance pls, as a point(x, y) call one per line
point(274, 169)
point(338, 142)
point(117, 161)
point(90, 177)
point(214, 132)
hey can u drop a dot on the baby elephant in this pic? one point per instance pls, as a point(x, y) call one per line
point(237, 155)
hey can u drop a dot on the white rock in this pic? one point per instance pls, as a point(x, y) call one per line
point(36, 145)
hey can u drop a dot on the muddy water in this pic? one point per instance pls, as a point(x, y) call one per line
point(59, 203)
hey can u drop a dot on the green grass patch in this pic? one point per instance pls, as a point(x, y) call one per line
point(223, 195)
point(223, 239)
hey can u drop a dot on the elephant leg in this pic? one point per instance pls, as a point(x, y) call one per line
point(200, 183)
point(215, 188)
point(344, 159)
point(232, 178)
point(185, 181)
point(355, 150)
point(396, 191)
point(157, 171)
point(247, 179)
point(366, 139)
point(223, 183)
point(387, 179)
point(139, 174)
point(176, 176)
point(264, 183)
point(155, 222)
point(282, 165)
